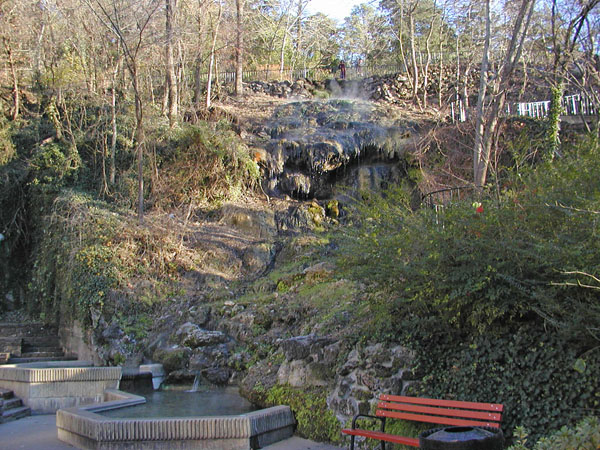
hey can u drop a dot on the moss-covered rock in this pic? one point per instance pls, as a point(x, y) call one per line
point(315, 420)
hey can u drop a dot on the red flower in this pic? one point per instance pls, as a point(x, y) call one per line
point(479, 209)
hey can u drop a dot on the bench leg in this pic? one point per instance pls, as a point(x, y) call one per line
point(352, 442)
point(383, 431)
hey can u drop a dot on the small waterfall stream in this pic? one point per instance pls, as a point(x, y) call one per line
point(196, 385)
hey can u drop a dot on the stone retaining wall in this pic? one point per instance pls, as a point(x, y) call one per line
point(78, 341)
point(46, 387)
point(85, 429)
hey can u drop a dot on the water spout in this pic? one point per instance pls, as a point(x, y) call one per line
point(196, 385)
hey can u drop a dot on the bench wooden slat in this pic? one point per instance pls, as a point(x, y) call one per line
point(435, 419)
point(383, 436)
point(448, 403)
point(428, 410)
point(482, 415)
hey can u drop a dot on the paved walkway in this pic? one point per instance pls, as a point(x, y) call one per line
point(39, 433)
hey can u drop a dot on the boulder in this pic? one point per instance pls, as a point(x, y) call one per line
point(192, 336)
point(302, 347)
point(217, 375)
point(258, 258)
point(303, 374)
point(259, 223)
point(261, 377)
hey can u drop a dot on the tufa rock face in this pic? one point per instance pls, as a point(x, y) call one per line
point(311, 145)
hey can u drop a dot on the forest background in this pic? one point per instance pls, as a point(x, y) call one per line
point(99, 97)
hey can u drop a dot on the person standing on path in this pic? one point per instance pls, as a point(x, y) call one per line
point(342, 68)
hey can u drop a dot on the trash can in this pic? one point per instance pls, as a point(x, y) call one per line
point(462, 438)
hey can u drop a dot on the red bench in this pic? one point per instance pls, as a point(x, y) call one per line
point(427, 410)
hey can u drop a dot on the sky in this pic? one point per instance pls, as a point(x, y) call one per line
point(337, 9)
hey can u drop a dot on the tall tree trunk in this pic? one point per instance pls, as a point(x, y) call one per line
point(139, 138)
point(557, 92)
point(563, 55)
point(113, 119)
point(441, 65)
point(413, 53)
point(478, 150)
point(282, 54)
point(400, 41)
point(490, 120)
point(15, 80)
point(239, 44)
point(212, 57)
point(298, 52)
point(180, 81)
point(428, 60)
point(197, 81)
point(170, 6)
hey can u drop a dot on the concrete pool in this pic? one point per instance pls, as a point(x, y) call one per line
point(85, 398)
point(85, 427)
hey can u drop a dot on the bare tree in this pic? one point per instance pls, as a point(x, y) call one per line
point(212, 55)
point(171, 79)
point(15, 79)
point(128, 22)
point(239, 46)
point(487, 121)
point(563, 51)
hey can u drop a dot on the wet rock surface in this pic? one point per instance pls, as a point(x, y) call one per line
point(310, 146)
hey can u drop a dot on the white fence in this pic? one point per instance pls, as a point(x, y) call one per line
point(572, 105)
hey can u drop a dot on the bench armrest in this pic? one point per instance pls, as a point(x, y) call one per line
point(367, 416)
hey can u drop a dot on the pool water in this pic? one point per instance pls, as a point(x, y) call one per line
point(209, 401)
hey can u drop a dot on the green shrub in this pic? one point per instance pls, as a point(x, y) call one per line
point(584, 436)
point(526, 259)
point(204, 164)
point(89, 254)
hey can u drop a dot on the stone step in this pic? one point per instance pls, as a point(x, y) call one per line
point(26, 329)
point(11, 344)
point(6, 394)
point(42, 359)
point(53, 354)
point(12, 403)
point(41, 348)
point(16, 413)
point(51, 339)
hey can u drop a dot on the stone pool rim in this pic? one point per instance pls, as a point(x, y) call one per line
point(83, 428)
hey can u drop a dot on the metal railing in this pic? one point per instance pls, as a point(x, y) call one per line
point(444, 197)
point(314, 73)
